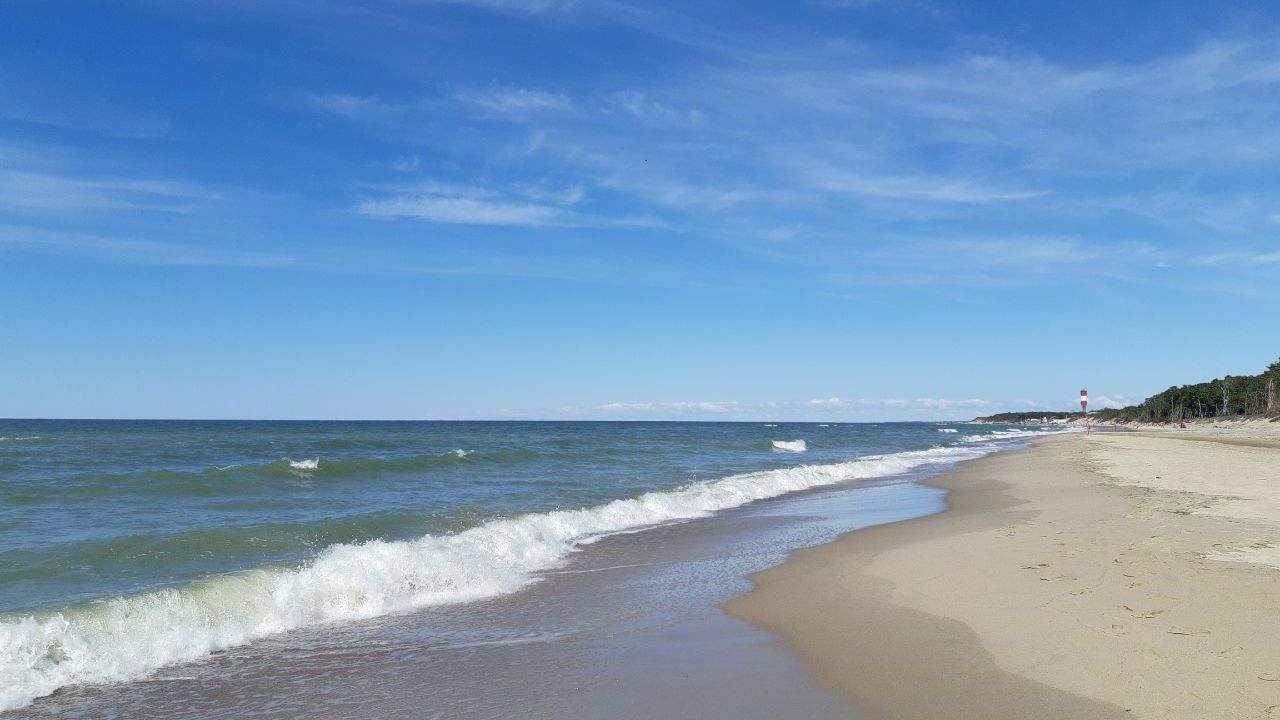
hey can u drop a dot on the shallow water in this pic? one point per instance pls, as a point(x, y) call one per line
point(543, 613)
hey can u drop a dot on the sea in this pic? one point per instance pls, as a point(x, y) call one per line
point(227, 569)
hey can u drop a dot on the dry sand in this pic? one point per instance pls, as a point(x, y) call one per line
point(1109, 575)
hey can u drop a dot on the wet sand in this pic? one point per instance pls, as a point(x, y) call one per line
point(1100, 576)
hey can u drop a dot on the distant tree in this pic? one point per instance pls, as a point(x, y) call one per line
point(1273, 395)
point(1231, 396)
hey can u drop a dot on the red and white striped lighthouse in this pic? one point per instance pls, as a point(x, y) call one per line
point(1084, 400)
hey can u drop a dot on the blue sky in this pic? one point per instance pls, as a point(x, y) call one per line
point(840, 209)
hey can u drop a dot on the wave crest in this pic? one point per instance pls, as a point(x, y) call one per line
point(128, 637)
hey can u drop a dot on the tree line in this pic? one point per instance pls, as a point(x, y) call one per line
point(1233, 396)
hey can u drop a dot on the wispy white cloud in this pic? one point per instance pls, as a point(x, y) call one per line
point(944, 190)
point(463, 210)
point(640, 105)
point(352, 107)
point(130, 249)
point(139, 251)
point(404, 164)
point(79, 111)
point(831, 408)
point(825, 402)
point(37, 191)
point(519, 204)
point(531, 7)
point(1109, 401)
point(674, 407)
point(993, 262)
point(763, 141)
point(916, 404)
point(1244, 259)
point(513, 100)
point(434, 201)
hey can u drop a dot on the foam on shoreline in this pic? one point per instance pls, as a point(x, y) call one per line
point(128, 637)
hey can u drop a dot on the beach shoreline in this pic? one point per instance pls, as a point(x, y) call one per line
point(1090, 576)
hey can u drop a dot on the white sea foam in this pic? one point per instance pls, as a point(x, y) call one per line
point(460, 453)
point(128, 637)
point(308, 465)
point(823, 425)
point(1011, 434)
point(947, 430)
point(770, 425)
point(20, 439)
point(795, 446)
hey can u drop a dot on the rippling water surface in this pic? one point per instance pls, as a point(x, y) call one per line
point(126, 547)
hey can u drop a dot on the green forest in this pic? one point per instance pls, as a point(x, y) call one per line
point(1233, 396)
point(1031, 416)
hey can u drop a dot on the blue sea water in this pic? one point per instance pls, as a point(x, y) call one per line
point(126, 546)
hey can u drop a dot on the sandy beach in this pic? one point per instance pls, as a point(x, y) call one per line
point(1090, 576)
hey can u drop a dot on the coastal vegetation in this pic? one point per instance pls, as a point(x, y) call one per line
point(1033, 416)
point(1231, 396)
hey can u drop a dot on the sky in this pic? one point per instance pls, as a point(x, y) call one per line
point(571, 209)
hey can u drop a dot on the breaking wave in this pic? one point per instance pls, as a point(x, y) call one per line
point(1011, 434)
point(128, 637)
point(795, 446)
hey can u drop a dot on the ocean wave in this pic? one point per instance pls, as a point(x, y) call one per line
point(363, 466)
point(304, 465)
point(947, 430)
point(29, 438)
point(1011, 434)
point(231, 479)
point(795, 446)
point(128, 637)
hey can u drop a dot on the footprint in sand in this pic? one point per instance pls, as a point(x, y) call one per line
point(1233, 651)
point(1270, 677)
point(1190, 631)
point(1273, 713)
point(1142, 615)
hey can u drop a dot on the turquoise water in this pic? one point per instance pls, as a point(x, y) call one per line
point(130, 546)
